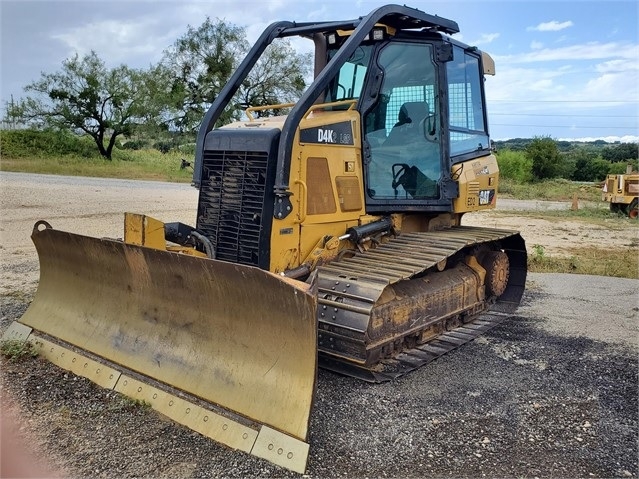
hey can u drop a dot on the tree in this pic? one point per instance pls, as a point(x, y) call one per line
point(589, 165)
point(545, 157)
point(620, 167)
point(198, 65)
point(277, 78)
point(514, 165)
point(204, 58)
point(86, 95)
point(591, 169)
point(154, 93)
point(621, 152)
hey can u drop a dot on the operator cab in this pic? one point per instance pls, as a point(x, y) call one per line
point(401, 79)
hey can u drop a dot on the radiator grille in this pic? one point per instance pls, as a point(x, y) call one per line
point(232, 198)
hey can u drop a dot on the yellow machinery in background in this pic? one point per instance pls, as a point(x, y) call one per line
point(331, 236)
point(622, 192)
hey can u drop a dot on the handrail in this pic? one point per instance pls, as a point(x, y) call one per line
point(251, 109)
point(302, 213)
point(318, 106)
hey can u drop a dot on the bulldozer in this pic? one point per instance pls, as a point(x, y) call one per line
point(331, 236)
point(622, 192)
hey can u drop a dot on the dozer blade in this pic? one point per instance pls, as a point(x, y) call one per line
point(241, 339)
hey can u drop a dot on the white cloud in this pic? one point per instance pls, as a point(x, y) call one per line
point(145, 37)
point(484, 39)
point(275, 5)
point(321, 13)
point(610, 87)
point(585, 51)
point(543, 88)
point(536, 45)
point(617, 66)
point(516, 83)
point(609, 139)
point(552, 26)
point(542, 85)
point(117, 40)
point(554, 88)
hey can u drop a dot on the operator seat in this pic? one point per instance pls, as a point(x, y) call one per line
point(409, 118)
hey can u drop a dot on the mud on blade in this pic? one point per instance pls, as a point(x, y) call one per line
point(235, 336)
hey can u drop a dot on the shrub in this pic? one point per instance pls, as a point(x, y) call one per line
point(590, 168)
point(621, 152)
point(15, 350)
point(187, 149)
point(163, 146)
point(545, 157)
point(620, 167)
point(44, 143)
point(134, 145)
point(514, 165)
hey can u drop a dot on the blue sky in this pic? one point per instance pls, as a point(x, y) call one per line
point(569, 70)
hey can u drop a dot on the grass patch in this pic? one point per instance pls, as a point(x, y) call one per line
point(595, 214)
point(125, 403)
point(138, 165)
point(620, 263)
point(16, 350)
point(550, 190)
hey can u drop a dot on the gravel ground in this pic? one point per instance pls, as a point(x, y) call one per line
point(553, 392)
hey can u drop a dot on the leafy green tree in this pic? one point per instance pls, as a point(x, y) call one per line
point(514, 144)
point(154, 94)
point(621, 152)
point(545, 158)
point(566, 167)
point(201, 62)
point(198, 65)
point(564, 146)
point(594, 169)
point(589, 165)
point(277, 78)
point(87, 96)
point(514, 165)
point(620, 167)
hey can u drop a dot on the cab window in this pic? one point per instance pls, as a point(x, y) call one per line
point(348, 84)
point(467, 126)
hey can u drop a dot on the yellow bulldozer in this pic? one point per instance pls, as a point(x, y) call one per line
point(622, 192)
point(331, 236)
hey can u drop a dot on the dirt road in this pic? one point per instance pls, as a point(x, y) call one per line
point(551, 392)
point(89, 206)
point(557, 236)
